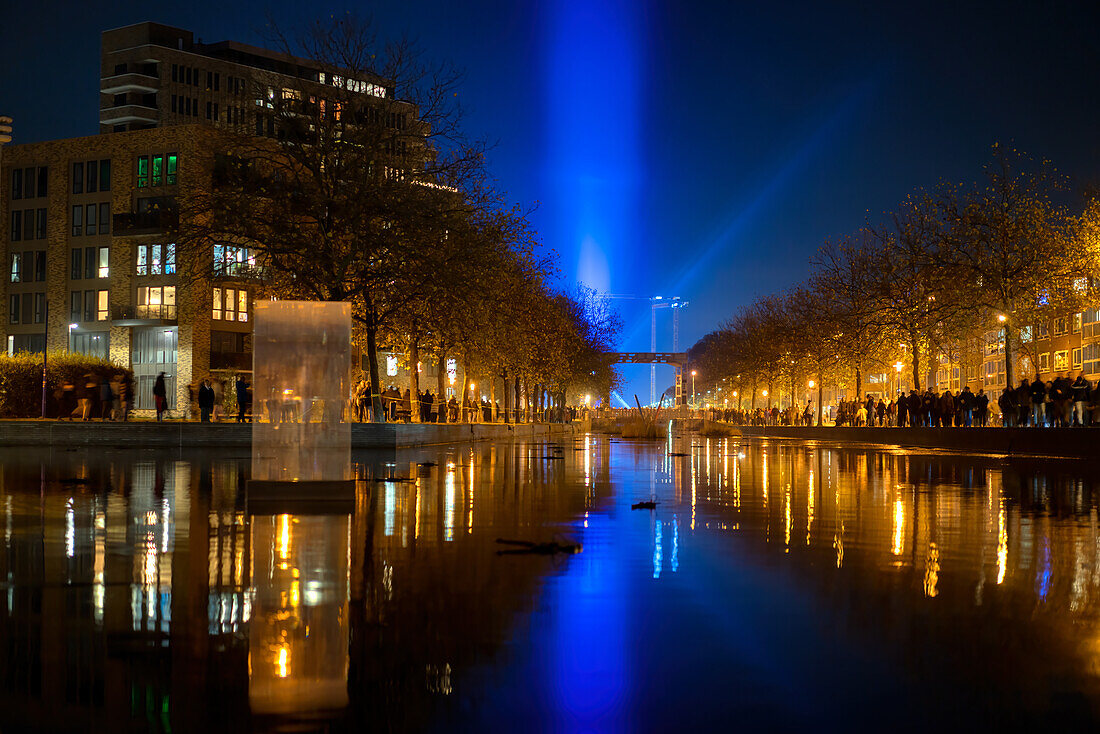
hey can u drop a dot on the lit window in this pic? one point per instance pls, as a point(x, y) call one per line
point(173, 164)
point(391, 365)
point(104, 270)
point(242, 305)
point(156, 302)
point(217, 314)
point(158, 170)
point(101, 306)
point(1061, 361)
point(143, 172)
point(142, 260)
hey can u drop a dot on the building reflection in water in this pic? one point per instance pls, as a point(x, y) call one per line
point(141, 594)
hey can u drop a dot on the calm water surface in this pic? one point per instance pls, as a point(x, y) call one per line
point(778, 586)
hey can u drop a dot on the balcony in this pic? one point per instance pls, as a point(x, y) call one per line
point(122, 83)
point(131, 224)
point(149, 315)
point(231, 361)
point(128, 113)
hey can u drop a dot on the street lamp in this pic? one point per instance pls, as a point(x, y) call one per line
point(70, 343)
point(693, 389)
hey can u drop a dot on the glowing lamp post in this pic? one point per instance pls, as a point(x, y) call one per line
point(693, 389)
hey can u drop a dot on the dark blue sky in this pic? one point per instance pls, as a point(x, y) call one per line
point(678, 148)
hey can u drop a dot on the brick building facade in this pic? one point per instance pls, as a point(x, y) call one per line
point(95, 274)
point(86, 220)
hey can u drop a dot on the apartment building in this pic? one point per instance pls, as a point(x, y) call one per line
point(89, 265)
point(153, 75)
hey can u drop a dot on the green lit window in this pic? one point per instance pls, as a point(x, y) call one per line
point(173, 162)
point(158, 170)
point(143, 172)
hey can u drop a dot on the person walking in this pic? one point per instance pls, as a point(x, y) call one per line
point(206, 401)
point(1023, 403)
point(160, 396)
point(126, 394)
point(68, 403)
point(1081, 389)
point(981, 408)
point(219, 398)
point(947, 409)
point(1037, 394)
point(242, 397)
point(106, 401)
point(1061, 394)
point(1009, 408)
point(966, 406)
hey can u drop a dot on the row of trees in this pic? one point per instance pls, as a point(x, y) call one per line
point(356, 182)
point(952, 265)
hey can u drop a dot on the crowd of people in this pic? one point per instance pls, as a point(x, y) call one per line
point(430, 408)
point(1060, 402)
point(94, 398)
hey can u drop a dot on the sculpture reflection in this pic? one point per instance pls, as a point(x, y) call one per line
point(298, 639)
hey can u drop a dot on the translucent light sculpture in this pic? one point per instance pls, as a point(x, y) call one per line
point(301, 355)
point(300, 496)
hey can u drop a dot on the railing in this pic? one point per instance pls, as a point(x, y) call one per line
point(129, 82)
point(157, 312)
point(230, 361)
point(132, 223)
point(128, 113)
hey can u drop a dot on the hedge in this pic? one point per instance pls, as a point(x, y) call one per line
point(21, 380)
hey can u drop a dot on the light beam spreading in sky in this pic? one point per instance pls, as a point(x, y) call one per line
point(728, 236)
point(592, 157)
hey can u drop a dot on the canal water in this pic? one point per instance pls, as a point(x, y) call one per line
point(776, 586)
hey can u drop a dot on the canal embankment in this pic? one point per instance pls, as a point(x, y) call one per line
point(184, 434)
point(1083, 443)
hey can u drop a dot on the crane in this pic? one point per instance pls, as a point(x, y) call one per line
point(655, 302)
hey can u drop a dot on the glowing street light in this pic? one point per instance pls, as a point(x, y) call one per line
point(811, 384)
point(1002, 318)
point(71, 327)
point(693, 389)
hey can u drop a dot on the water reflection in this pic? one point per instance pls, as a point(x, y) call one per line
point(140, 593)
point(298, 637)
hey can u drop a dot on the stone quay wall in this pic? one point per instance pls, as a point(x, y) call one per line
point(187, 435)
point(1064, 442)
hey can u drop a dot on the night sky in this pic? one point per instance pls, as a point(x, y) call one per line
point(675, 148)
